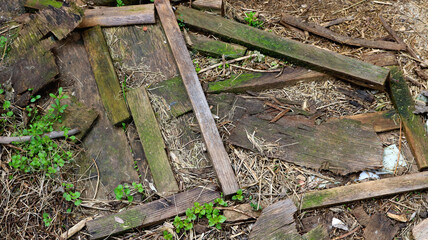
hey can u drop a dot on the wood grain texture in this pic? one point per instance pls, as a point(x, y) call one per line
point(340, 146)
point(262, 81)
point(420, 231)
point(150, 213)
point(215, 48)
point(361, 191)
point(359, 72)
point(105, 75)
point(413, 125)
point(381, 121)
point(377, 226)
point(106, 144)
point(327, 33)
point(381, 59)
point(276, 222)
point(215, 147)
point(119, 16)
point(152, 141)
point(212, 5)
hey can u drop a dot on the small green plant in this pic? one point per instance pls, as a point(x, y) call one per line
point(252, 20)
point(223, 66)
point(167, 235)
point(180, 21)
point(122, 191)
point(71, 196)
point(238, 196)
point(255, 206)
point(120, 3)
point(197, 68)
point(4, 47)
point(46, 219)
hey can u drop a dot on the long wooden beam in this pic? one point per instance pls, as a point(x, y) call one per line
point(350, 69)
point(215, 147)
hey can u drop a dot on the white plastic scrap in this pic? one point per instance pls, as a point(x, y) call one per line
point(337, 223)
point(390, 156)
point(367, 175)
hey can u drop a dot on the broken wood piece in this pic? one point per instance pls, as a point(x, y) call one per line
point(382, 121)
point(119, 16)
point(340, 146)
point(152, 141)
point(240, 212)
point(337, 21)
point(381, 59)
point(327, 33)
point(413, 125)
point(215, 48)
point(420, 231)
point(377, 226)
point(150, 213)
point(214, 144)
point(210, 5)
point(359, 72)
point(105, 75)
point(276, 222)
point(361, 191)
point(318, 233)
point(262, 81)
point(40, 4)
point(75, 229)
point(51, 135)
point(175, 95)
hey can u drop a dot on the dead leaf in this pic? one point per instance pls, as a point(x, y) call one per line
point(397, 217)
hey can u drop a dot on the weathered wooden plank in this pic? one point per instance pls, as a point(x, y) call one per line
point(262, 81)
point(105, 144)
point(341, 146)
point(359, 72)
point(175, 95)
point(152, 141)
point(276, 222)
point(365, 190)
point(215, 147)
point(420, 231)
point(150, 213)
point(215, 48)
point(40, 4)
point(382, 121)
point(119, 16)
point(413, 125)
point(105, 75)
point(210, 5)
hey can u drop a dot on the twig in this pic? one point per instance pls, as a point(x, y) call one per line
point(347, 234)
point(279, 116)
point(227, 62)
point(76, 228)
point(353, 5)
point(236, 210)
point(399, 149)
point(52, 135)
point(256, 70)
point(337, 21)
point(98, 178)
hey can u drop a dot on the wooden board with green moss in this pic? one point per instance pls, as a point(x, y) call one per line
point(152, 141)
point(215, 48)
point(150, 213)
point(354, 70)
point(414, 130)
point(105, 75)
point(262, 81)
point(40, 4)
point(362, 191)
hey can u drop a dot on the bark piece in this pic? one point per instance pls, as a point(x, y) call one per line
point(377, 226)
point(312, 57)
point(382, 121)
point(240, 212)
point(381, 59)
point(214, 144)
point(215, 48)
point(420, 231)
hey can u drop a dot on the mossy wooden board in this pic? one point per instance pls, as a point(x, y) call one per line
point(306, 55)
point(150, 213)
point(105, 75)
point(152, 141)
point(414, 130)
point(215, 48)
point(361, 191)
point(40, 4)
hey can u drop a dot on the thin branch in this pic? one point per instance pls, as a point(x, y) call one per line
point(52, 135)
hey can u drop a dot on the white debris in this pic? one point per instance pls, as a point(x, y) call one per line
point(390, 156)
point(337, 223)
point(367, 175)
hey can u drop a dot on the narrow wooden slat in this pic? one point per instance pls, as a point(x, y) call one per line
point(216, 150)
point(215, 48)
point(361, 191)
point(152, 141)
point(359, 72)
point(420, 231)
point(213, 5)
point(413, 125)
point(105, 75)
point(119, 16)
point(150, 213)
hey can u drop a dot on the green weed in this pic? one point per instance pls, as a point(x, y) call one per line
point(71, 196)
point(120, 3)
point(124, 191)
point(252, 20)
point(46, 219)
point(238, 196)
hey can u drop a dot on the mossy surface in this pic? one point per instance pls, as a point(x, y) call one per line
point(215, 48)
point(232, 82)
point(38, 4)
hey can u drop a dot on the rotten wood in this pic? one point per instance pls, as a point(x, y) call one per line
point(214, 144)
point(381, 59)
point(152, 141)
point(327, 33)
point(150, 213)
point(210, 5)
point(381, 121)
point(361, 191)
point(52, 135)
point(420, 231)
point(105, 75)
point(413, 125)
point(215, 48)
point(377, 226)
point(350, 69)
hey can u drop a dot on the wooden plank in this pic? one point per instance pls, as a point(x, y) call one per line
point(105, 144)
point(359, 72)
point(105, 75)
point(343, 39)
point(413, 125)
point(215, 48)
point(276, 222)
point(150, 213)
point(119, 16)
point(340, 146)
point(361, 191)
point(210, 5)
point(40, 4)
point(262, 81)
point(152, 141)
point(381, 59)
point(382, 121)
point(214, 144)
point(420, 231)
